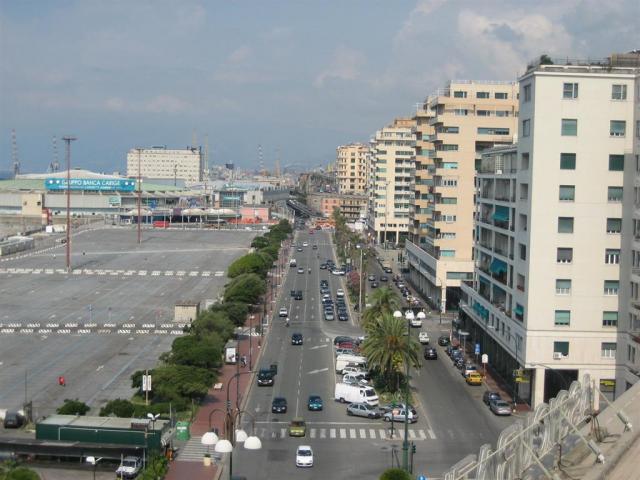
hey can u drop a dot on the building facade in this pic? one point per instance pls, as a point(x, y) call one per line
point(162, 163)
point(352, 168)
point(391, 181)
point(544, 300)
point(455, 125)
point(353, 207)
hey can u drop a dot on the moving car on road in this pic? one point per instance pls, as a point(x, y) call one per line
point(298, 295)
point(363, 410)
point(443, 340)
point(279, 405)
point(297, 427)
point(283, 312)
point(423, 338)
point(300, 270)
point(296, 339)
point(399, 415)
point(266, 377)
point(430, 354)
point(304, 456)
point(314, 403)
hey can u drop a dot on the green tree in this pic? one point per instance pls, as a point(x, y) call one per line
point(156, 469)
point(245, 288)
point(73, 407)
point(118, 408)
point(395, 474)
point(383, 301)
point(11, 470)
point(180, 383)
point(388, 348)
point(250, 263)
point(203, 351)
point(260, 242)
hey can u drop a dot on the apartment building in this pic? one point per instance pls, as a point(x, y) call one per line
point(629, 326)
point(353, 207)
point(352, 168)
point(162, 163)
point(391, 186)
point(543, 304)
point(454, 126)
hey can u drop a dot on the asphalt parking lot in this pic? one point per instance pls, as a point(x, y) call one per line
point(52, 322)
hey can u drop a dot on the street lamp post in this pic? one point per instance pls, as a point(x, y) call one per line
point(405, 441)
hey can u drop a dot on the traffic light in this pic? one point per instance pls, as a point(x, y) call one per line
point(413, 448)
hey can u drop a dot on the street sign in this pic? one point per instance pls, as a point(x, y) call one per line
point(422, 477)
point(146, 383)
point(477, 350)
point(485, 358)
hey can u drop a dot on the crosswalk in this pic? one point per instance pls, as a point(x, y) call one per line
point(111, 272)
point(194, 450)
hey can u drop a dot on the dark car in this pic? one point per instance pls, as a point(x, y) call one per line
point(12, 420)
point(342, 339)
point(298, 295)
point(430, 354)
point(315, 403)
point(343, 317)
point(323, 266)
point(443, 340)
point(315, 247)
point(265, 377)
point(279, 405)
point(324, 283)
point(296, 339)
point(387, 269)
point(374, 285)
point(384, 278)
point(293, 293)
point(489, 395)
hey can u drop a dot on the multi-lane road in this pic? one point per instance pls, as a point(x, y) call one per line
point(452, 420)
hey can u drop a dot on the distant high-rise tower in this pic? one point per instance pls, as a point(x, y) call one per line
point(54, 166)
point(277, 164)
point(14, 153)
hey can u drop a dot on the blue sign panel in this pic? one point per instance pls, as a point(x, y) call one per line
point(101, 184)
point(477, 349)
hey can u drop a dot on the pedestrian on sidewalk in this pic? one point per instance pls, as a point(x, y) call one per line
point(243, 361)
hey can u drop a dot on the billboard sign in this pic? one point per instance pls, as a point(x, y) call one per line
point(96, 184)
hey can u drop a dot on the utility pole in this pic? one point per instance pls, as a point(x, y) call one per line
point(139, 150)
point(67, 140)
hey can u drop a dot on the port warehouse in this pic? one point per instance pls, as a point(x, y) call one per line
point(79, 436)
point(114, 197)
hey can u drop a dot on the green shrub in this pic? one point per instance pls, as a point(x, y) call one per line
point(118, 408)
point(245, 288)
point(395, 474)
point(73, 407)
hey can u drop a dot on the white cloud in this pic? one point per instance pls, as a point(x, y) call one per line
point(165, 104)
point(239, 55)
point(345, 65)
point(115, 104)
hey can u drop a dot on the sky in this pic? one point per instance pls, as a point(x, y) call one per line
point(296, 77)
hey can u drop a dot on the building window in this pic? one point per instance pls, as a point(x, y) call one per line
point(614, 225)
point(567, 193)
point(523, 251)
point(618, 92)
point(492, 131)
point(570, 90)
point(638, 128)
point(482, 94)
point(562, 318)
point(609, 319)
point(526, 127)
point(447, 253)
point(501, 95)
point(631, 354)
point(612, 256)
point(611, 287)
point(483, 113)
point(527, 92)
point(461, 112)
point(564, 255)
point(524, 161)
point(565, 224)
point(563, 286)
point(561, 347)
point(502, 113)
point(617, 128)
point(567, 161)
point(614, 194)
point(460, 94)
point(608, 350)
point(569, 127)
point(616, 163)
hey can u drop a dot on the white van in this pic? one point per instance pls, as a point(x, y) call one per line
point(292, 262)
point(355, 394)
point(344, 360)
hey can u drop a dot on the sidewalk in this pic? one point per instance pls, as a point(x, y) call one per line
point(188, 463)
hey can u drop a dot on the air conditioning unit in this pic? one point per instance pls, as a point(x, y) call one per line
point(557, 355)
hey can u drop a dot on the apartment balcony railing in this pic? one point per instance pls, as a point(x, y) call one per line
point(502, 251)
point(635, 271)
point(497, 171)
point(501, 197)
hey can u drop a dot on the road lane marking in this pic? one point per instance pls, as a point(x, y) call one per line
point(323, 433)
point(283, 432)
point(383, 434)
point(332, 433)
point(372, 433)
point(320, 370)
point(363, 433)
point(312, 433)
point(315, 347)
point(431, 434)
point(343, 433)
point(412, 434)
point(423, 436)
point(352, 433)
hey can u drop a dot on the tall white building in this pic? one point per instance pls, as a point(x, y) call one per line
point(391, 181)
point(161, 163)
point(352, 168)
point(544, 300)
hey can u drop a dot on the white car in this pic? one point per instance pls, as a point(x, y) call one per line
point(304, 456)
point(305, 244)
point(337, 271)
point(340, 293)
point(416, 322)
point(283, 312)
point(423, 338)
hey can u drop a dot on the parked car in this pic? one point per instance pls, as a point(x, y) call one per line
point(474, 379)
point(340, 293)
point(297, 427)
point(297, 339)
point(13, 420)
point(300, 270)
point(500, 407)
point(423, 338)
point(283, 312)
point(328, 315)
point(129, 467)
point(342, 338)
point(343, 317)
point(344, 351)
point(430, 354)
point(338, 271)
point(279, 405)
point(374, 285)
point(371, 278)
point(443, 340)
point(399, 415)
point(469, 368)
point(299, 249)
point(489, 395)
point(387, 269)
point(354, 379)
point(315, 403)
point(362, 410)
point(304, 456)
point(323, 266)
point(396, 405)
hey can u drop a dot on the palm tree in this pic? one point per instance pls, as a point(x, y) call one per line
point(388, 348)
point(383, 301)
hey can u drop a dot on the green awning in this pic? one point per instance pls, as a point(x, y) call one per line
point(519, 309)
point(498, 266)
point(501, 214)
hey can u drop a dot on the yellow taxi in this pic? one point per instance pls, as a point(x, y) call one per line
point(297, 428)
point(474, 379)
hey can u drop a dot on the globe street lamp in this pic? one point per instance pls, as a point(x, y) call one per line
point(405, 441)
point(235, 434)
